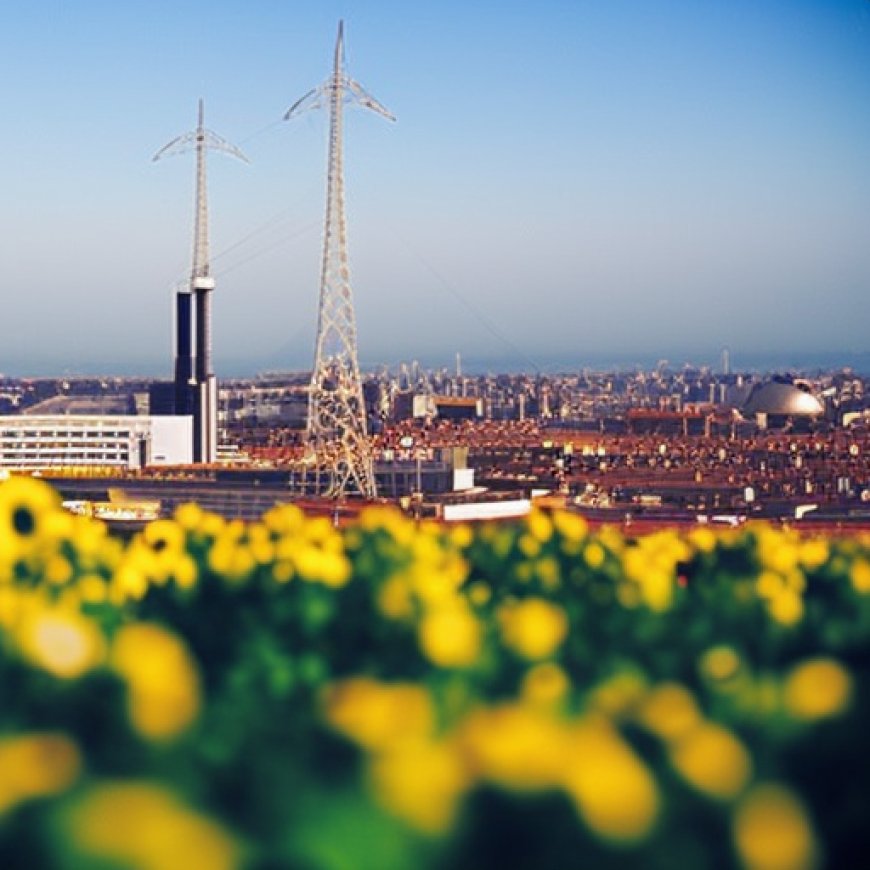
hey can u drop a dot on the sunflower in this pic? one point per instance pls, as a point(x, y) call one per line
point(24, 505)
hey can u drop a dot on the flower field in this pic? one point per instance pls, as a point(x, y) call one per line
point(282, 694)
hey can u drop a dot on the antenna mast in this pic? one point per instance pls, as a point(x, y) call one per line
point(195, 382)
point(337, 437)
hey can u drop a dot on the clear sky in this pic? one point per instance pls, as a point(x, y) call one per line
point(568, 180)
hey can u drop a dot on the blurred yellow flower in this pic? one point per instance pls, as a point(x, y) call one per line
point(259, 541)
point(315, 565)
point(529, 545)
point(36, 765)
point(786, 607)
point(142, 825)
point(283, 571)
point(651, 563)
point(669, 711)
point(421, 782)
point(57, 570)
point(533, 627)
point(162, 535)
point(284, 519)
point(185, 571)
point(796, 580)
point(524, 571)
point(515, 746)
point(93, 589)
point(703, 540)
point(544, 684)
point(10, 606)
point(230, 557)
point(540, 525)
point(60, 525)
point(618, 694)
point(611, 538)
point(769, 584)
point(162, 680)
point(772, 831)
point(712, 760)
point(189, 516)
point(593, 555)
point(859, 574)
point(130, 579)
point(209, 525)
point(777, 550)
point(461, 535)
point(61, 641)
point(657, 589)
point(817, 688)
point(159, 554)
point(87, 541)
point(613, 790)
point(450, 636)
point(436, 574)
point(720, 663)
point(572, 528)
point(389, 520)
point(394, 598)
point(813, 553)
point(549, 572)
point(378, 715)
point(479, 593)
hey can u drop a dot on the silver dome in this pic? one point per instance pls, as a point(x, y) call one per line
point(781, 397)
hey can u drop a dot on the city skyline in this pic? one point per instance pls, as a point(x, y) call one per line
point(586, 181)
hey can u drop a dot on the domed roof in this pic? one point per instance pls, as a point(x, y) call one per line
point(781, 396)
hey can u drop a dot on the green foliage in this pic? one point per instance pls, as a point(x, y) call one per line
point(285, 694)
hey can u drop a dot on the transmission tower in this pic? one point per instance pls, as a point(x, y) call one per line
point(337, 440)
point(195, 383)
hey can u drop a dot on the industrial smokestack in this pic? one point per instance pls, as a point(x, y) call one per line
point(183, 351)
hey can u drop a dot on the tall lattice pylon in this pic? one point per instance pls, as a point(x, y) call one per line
point(195, 382)
point(338, 443)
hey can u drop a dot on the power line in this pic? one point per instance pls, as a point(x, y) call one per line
point(469, 306)
point(265, 250)
point(257, 133)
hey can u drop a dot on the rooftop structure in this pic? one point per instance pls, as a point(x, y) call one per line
point(781, 397)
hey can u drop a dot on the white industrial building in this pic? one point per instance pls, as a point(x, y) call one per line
point(67, 441)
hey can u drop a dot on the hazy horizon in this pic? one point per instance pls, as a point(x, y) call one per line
point(749, 363)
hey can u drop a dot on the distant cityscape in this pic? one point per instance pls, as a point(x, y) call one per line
point(640, 447)
point(584, 399)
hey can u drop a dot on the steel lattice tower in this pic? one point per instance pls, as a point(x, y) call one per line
point(195, 382)
point(337, 440)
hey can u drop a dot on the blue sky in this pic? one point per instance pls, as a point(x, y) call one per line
point(566, 181)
